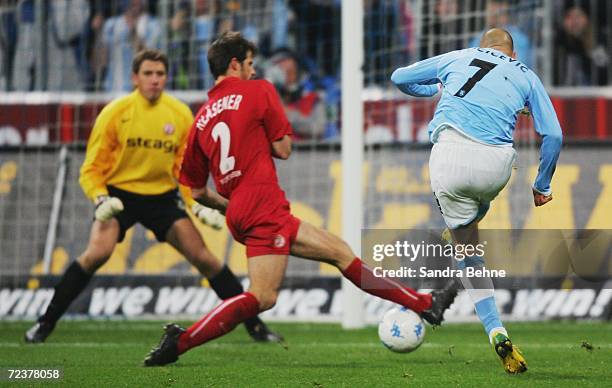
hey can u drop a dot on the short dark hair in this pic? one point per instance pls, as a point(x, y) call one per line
point(227, 46)
point(148, 55)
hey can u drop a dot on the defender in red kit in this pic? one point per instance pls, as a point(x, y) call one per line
point(234, 138)
point(231, 140)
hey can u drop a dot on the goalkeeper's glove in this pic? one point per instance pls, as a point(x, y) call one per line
point(107, 207)
point(208, 216)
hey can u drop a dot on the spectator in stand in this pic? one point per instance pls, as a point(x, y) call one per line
point(8, 39)
point(192, 27)
point(204, 27)
point(383, 31)
point(440, 28)
point(101, 10)
point(60, 52)
point(281, 16)
point(264, 22)
point(579, 58)
point(66, 44)
point(498, 15)
point(178, 47)
point(25, 60)
point(303, 105)
point(123, 36)
point(237, 15)
point(318, 33)
point(196, 23)
point(407, 29)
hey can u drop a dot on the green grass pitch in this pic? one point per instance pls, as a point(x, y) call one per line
point(110, 353)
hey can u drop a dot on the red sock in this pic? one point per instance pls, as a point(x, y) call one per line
point(221, 320)
point(362, 276)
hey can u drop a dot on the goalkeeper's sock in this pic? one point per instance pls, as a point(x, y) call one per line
point(221, 320)
point(361, 276)
point(481, 292)
point(72, 283)
point(226, 285)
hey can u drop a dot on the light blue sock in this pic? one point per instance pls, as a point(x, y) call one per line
point(471, 261)
point(481, 293)
point(488, 314)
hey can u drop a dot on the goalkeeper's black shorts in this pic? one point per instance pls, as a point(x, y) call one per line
point(155, 212)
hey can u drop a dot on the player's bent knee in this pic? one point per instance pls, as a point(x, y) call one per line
point(95, 256)
point(267, 299)
point(267, 304)
point(319, 244)
point(341, 254)
point(207, 264)
point(90, 262)
point(338, 249)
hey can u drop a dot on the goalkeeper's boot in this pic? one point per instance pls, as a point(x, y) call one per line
point(440, 301)
point(261, 333)
point(511, 357)
point(167, 350)
point(39, 332)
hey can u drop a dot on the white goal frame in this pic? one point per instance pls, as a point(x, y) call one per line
point(352, 57)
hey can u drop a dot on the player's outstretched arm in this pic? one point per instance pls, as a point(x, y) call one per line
point(417, 90)
point(208, 207)
point(547, 125)
point(281, 149)
point(208, 216)
point(99, 156)
point(419, 79)
point(209, 198)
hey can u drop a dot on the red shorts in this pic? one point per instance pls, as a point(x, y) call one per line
point(259, 216)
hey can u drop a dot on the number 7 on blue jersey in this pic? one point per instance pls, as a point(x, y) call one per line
point(484, 66)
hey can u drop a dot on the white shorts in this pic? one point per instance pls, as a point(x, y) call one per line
point(467, 175)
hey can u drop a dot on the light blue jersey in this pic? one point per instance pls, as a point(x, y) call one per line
point(483, 91)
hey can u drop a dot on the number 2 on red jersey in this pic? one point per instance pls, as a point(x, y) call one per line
point(227, 163)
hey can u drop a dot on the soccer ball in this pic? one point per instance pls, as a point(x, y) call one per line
point(401, 330)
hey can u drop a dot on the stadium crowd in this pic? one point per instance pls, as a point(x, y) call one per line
point(299, 41)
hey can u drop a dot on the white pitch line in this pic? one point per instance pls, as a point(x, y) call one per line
point(524, 345)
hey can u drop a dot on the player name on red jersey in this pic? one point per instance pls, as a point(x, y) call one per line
point(231, 102)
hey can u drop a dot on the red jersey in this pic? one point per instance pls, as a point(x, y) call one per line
point(231, 136)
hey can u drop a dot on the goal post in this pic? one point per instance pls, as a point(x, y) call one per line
point(352, 150)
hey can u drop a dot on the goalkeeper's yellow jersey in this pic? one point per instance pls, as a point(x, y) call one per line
point(137, 146)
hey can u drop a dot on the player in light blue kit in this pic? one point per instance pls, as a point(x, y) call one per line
point(483, 90)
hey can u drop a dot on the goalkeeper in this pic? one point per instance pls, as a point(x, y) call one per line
point(133, 158)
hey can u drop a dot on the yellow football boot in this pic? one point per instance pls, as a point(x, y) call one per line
point(511, 357)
